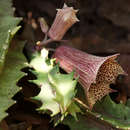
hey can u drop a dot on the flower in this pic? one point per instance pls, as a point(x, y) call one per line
point(65, 18)
point(95, 73)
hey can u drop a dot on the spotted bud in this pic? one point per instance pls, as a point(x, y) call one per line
point(95, 73)
point(65, 18)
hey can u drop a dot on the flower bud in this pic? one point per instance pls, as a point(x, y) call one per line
point(65, 18)
point(95, 73)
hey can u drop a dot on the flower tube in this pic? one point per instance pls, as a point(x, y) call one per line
point(95, 73)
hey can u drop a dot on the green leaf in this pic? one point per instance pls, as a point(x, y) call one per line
point(128, 103)
point(47, 97)
point(57, 90)
point(117, 115)
point(10, 75)
point(64, 86)
point(8, 27)
point(83, 123)
point(10, 62)
point(106, 111)
point(41, 63)
point(73, 109)
point(42, 66)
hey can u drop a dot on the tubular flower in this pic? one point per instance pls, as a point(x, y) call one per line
point(65, 18)
point(95, 73)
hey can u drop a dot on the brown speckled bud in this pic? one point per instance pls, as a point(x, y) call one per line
point(65, 18)
point(96, 73)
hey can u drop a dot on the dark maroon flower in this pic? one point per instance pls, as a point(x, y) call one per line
point(95, 73)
